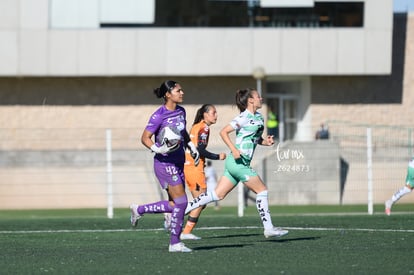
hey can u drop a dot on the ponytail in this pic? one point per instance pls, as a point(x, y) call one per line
point(242, 97)
point(200, 112)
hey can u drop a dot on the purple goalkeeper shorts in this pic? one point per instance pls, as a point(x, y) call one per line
point(169, 173)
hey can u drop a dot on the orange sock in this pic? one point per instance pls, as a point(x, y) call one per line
point(191, 223)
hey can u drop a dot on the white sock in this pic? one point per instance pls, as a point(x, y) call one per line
point(201, 200)
point(400, 193)
point(262, 204)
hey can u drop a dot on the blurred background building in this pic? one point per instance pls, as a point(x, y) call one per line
point(70, 69)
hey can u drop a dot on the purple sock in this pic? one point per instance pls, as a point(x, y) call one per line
point(177, 218)
point(156, 207)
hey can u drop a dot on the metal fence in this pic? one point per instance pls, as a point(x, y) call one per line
point(86, 168)
point(373, 154)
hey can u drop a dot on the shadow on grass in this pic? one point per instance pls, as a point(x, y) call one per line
point(291, 239)
point(212, 247)
point(232, 236)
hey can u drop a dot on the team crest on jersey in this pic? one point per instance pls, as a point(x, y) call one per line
point(203, 136)
point(180, 126)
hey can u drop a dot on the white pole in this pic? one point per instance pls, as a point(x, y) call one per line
point(241, 200)
point(369, 168)
point(259, 86)
point(110, 206)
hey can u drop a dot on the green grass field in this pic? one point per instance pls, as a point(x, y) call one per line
point(321, 240)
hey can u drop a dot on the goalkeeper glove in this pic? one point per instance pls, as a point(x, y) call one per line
point(194, 153)
point(163, 149)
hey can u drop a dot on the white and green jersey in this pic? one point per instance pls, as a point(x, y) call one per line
point(249, 129)
point(411, 163)
point(409, 179)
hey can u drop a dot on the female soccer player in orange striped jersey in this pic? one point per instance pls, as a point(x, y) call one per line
point(194, 175)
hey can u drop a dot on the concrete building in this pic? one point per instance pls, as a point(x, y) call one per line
point(57, 53)
point(72, 64)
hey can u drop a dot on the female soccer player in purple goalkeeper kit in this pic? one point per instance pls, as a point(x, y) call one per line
point(168, 161)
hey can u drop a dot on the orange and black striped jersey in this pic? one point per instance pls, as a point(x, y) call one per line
point(199, 135)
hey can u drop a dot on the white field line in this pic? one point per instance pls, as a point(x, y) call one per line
point(203, 228)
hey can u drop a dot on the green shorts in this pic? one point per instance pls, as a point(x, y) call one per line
point(238, 170)
point(409, 180)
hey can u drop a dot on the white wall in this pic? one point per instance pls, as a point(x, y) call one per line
point(29, 47)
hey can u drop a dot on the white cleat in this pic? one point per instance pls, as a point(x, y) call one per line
point(275, 232)
point(178, 247)
point(189, 236)
point(388, 205)
point(167, 221)
point(134, 214)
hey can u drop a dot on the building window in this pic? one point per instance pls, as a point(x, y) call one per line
point(78, 14)
point(249, 13)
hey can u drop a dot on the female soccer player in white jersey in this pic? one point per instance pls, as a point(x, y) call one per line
point(406, 189)
point(249, 126)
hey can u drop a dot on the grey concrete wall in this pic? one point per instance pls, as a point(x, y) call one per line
point(304, 173)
